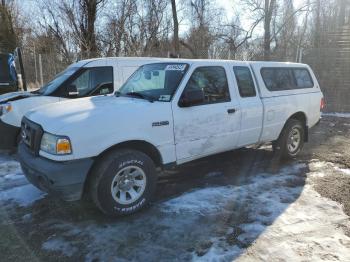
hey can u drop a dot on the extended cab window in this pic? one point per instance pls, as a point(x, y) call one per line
point(278, 79)
point(245, 81)
point(94, 81)
point(213, 81)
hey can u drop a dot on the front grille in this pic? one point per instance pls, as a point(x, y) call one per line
point(31, 134)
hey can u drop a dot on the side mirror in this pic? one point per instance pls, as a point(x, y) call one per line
point(72, 90)
point(192, 97)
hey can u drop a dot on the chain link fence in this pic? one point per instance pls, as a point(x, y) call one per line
point(41, 68)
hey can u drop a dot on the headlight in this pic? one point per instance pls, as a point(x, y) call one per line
point(5, 108)
point(56, 145)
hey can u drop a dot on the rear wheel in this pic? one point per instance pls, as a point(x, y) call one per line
point(123, 182)
point(291, 139)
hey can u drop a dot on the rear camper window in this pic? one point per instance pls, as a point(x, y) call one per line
point(278, 79)
point(303, 78)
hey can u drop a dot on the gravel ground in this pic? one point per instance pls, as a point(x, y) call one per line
point(241, 205)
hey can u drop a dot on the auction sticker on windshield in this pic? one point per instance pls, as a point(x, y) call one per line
point(175, 67)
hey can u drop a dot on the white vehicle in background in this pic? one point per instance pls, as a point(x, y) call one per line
point(166, 114)
point(93, 77)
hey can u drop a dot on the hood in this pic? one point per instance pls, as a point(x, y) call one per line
point(55, 116)
point(14, 96)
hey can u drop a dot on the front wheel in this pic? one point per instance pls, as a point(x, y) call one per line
point(291, 139)
point(123, 182)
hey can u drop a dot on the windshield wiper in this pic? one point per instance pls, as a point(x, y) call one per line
point(136, 94)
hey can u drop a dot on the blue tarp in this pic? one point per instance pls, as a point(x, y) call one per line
point(12, 67)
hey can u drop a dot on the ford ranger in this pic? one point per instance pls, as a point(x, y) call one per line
point(167, 113)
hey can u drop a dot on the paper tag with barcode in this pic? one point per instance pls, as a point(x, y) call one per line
point(176, 67)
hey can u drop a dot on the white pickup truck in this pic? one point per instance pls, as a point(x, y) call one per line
point(165, 114)
point(92, 77)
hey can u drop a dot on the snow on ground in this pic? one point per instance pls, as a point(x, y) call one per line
point(14, 186)
point(309, 230)
point(273, 215)
point(22, 195)
point(345, 115)
point(59, 245)
point(9, 170)
point(194, 224)
point(345, 171)
point(267, 217)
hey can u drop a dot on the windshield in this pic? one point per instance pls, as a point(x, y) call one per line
point(51, 86)
point(157, 82)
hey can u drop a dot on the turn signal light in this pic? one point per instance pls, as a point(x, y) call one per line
point(63, 146)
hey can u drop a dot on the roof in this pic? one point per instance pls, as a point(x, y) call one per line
point(190, 61)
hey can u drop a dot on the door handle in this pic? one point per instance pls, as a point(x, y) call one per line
point(231, 110)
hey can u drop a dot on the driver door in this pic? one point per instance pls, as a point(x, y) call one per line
point(211, 126)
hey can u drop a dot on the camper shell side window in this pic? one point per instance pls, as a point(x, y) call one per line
point(286, 78)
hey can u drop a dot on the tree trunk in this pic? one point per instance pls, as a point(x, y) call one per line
point(176, 28)
point(269, 7)
point(87, 27)
point(8, 37)
point(317, 37)
point(342, 8)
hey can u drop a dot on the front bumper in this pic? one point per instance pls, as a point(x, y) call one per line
point(8, 136)
point(62, 179)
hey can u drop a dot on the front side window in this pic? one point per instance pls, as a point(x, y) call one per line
point(57, 81)
point(245, 81)
point(213, 81)
point(156, 82)
point(94, 81)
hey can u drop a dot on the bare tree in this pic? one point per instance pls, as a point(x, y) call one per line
point(317, 37)
point(116, 29)
point(8, 33)
point(343, 4)
point(286, 42)
point(200, 36)
point(81, 15)
point(236, 36)
point(269, 8)
point(54, 25)
point(176, 28)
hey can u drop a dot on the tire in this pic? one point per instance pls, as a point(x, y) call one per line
point(123, 182)
point(291, 139)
